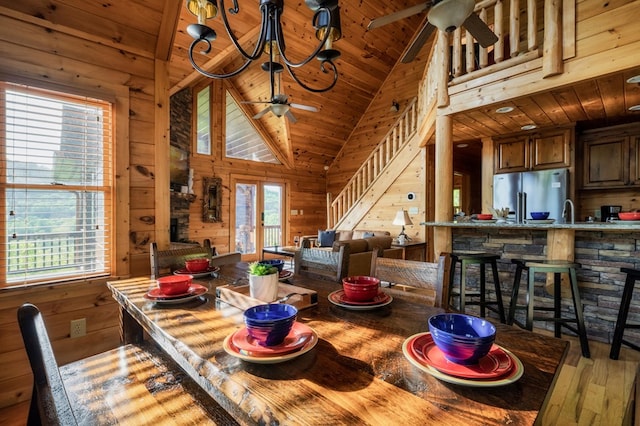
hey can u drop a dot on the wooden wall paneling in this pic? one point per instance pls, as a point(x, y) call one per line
point(161, 142)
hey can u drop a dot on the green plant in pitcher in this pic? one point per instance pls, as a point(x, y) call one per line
point(260, 269)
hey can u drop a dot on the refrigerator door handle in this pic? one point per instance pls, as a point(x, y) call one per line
point(524, 206)
point(519, 207)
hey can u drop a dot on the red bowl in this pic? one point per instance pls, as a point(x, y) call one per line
point(197, 265)
point(629, 215)
point(174, 284)
point(484, 216)
point(360, 288)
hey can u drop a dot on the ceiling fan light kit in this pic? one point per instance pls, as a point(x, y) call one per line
point(447, 15)
point(326, 21)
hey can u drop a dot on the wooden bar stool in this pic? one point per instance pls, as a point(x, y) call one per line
point(482, 259)
point(632, 276)
point(555, 267)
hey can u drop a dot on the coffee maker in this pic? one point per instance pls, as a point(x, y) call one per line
point(609, 212)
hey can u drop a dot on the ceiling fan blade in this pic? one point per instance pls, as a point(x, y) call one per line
point(480, 30)
point(422, 37)
point(263, 112)
point(291, 117)
point(396, 16)
point(304, 107)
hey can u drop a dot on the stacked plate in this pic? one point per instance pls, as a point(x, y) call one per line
point(339, 298)
point(194, 291)
point(300, 340)
point(498, 368)
point(210, 270)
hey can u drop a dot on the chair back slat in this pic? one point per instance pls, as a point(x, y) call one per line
point(166, 261)
point(325, 264)
point(432, 279)
point(49, 402)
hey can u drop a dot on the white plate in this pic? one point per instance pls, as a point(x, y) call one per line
point(540, 221)
point(233, 351)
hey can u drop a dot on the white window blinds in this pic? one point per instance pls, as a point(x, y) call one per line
point(56, 186)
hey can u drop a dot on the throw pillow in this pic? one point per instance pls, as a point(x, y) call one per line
point(368, 235)
point(326, 238)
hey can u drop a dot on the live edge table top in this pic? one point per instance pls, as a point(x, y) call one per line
point(356, 374)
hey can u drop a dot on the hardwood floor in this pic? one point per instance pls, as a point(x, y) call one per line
point(594, 391)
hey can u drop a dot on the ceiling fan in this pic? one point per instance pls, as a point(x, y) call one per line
point(446, 15)
point(279, 106)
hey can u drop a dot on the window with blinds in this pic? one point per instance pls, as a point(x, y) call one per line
point(56, 186)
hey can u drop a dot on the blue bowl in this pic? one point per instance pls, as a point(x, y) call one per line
point(269, 324)
point(463, 339)
point(278, 263)
point(539, 215)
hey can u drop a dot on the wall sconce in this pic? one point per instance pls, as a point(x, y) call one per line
point(395, 106)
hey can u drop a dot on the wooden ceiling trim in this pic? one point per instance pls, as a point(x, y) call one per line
point(530, 112)
point(613, 103)
point(570, 104)
point(590, 98)
point(548, 103)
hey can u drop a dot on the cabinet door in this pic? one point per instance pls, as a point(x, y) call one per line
point(550, 150)
point(634, 169)
point(511, 155)
point(606, 162)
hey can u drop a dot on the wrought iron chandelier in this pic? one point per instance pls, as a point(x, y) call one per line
point(326, 21)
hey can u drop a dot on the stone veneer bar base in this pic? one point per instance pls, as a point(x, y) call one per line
point(601, 255)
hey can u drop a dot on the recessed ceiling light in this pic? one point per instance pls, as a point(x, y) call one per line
point(634, 79)
point(462, 145)
point(528, 127)
point(634, 108)
point(504, 110)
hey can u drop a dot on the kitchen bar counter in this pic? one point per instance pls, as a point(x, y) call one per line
point(578, 226)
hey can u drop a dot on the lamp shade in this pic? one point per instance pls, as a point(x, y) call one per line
point(448, 15)
point(402, 218)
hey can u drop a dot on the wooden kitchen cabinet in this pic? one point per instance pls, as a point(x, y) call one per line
point(546, 149)
point(611, 157)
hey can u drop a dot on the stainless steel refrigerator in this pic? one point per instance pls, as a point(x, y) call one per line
point(525, 192)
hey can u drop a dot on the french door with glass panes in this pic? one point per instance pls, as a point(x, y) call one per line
point(259, 217)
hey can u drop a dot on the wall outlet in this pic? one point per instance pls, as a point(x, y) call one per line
point(78, 328)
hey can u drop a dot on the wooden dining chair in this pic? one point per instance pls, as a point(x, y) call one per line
point(132, 384)
point(165, 261)
point(323, 264)
point(424, 280)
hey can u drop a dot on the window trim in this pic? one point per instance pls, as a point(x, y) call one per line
point(119, 96)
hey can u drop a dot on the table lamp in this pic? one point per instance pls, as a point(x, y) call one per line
point(402, 218)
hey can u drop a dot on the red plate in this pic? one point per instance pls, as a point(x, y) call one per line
point(299, 335)
point(155, 294)
point(495, 364)
point(284, 275)
point(209, 270)
point(341, 298)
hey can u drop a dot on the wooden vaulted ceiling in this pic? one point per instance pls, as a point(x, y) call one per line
point(157, 28)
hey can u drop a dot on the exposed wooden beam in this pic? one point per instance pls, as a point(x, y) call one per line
point(224, 57)
point(168, 27)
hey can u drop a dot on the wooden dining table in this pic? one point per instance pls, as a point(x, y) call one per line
point(357, 372)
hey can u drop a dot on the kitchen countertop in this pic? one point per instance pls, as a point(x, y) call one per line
point(578, 226)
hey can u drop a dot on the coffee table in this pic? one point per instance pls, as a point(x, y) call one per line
point(286, 251)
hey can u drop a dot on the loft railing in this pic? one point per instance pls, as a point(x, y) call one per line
point(375, 163)
point(519, 29)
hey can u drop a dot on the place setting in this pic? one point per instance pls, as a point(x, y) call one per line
point(460, 349)
point(271, 334)
point(175, 289)
point(197, 268)
point(360, 293)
